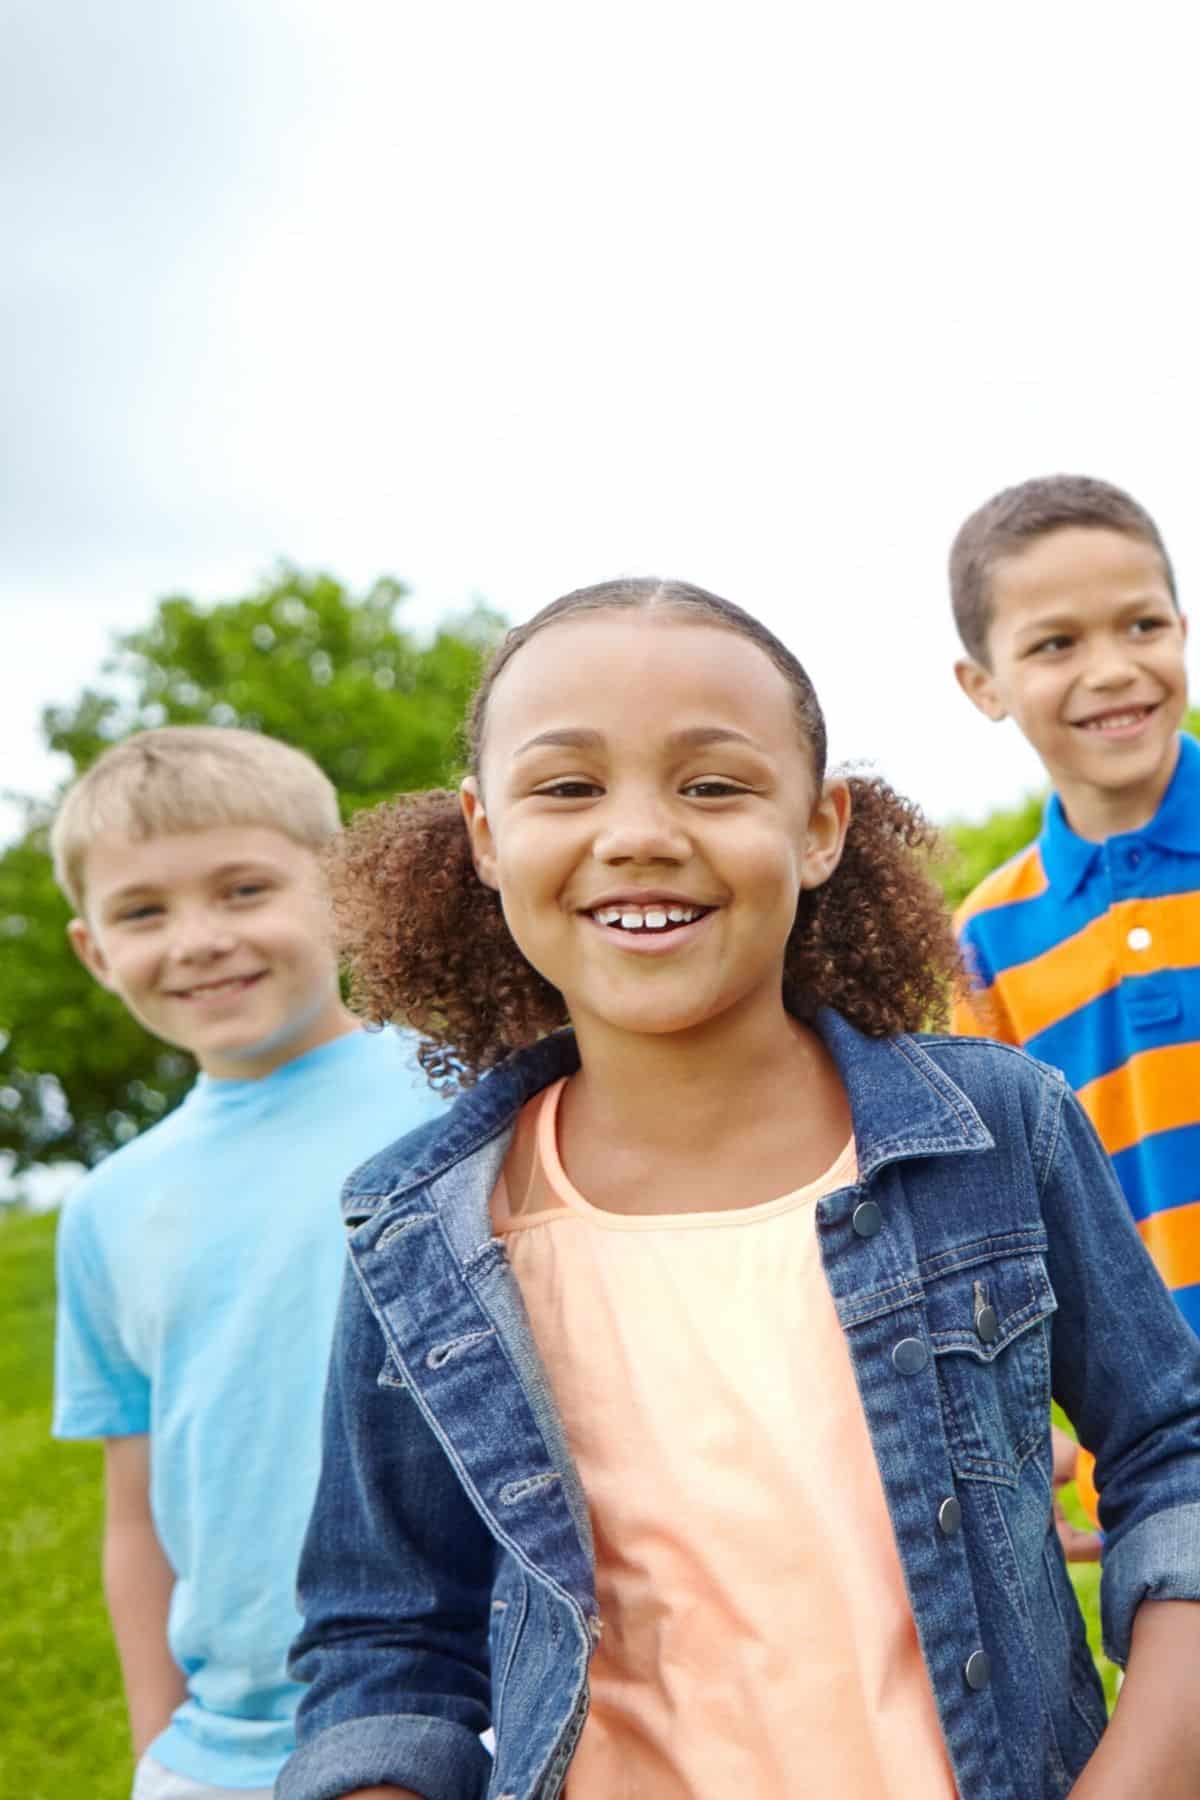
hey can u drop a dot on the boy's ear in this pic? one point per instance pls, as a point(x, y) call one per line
point(979, 685)
point(89, 952)
point(479, 831)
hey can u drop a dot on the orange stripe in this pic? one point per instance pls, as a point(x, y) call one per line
point(1023, 878)
point(1173, 1240)
point(1154, 1091)
point(1038, 993)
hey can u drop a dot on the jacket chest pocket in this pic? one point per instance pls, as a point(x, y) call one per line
point(989, 1328)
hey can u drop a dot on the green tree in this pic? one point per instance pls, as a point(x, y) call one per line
point(303, 660)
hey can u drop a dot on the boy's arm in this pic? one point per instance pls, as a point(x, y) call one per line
point(138, 1582)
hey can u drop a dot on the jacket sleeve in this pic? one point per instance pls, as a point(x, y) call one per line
point(1126, 1369)
point(395, 1591)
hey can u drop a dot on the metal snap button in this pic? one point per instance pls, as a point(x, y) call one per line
point(866, 1219)
point(978, 1670)
point(1139, 938)
point(987, 1325)
point(910, 1356)
point(949, 1515)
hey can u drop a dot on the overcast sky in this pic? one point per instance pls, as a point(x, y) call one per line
point(507, 299)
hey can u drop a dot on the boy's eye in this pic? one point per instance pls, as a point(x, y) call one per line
point(135, 915)
point(1145, 626)
point(1049, 645)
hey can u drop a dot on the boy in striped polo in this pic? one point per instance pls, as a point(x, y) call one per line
point(1085, 947)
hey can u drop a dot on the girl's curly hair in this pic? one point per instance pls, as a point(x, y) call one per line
point(426, 942)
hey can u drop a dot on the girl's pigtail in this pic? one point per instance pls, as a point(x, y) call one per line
point(876, 940)
point(426, 944)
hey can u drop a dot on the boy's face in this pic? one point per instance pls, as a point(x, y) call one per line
point(217, 940)
point(1086, 654)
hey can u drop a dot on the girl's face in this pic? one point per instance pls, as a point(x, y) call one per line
point(647, 810)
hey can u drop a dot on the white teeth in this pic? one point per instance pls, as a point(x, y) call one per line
point(651, 918)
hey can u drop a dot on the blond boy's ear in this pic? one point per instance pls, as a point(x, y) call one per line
point(979, 685)
point(483, 846)
point(89, 952)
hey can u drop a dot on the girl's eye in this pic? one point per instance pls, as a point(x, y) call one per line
point(713, 790)
point(577, 789)
point(247, 890)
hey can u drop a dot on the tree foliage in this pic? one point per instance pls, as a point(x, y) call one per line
point(302, 659)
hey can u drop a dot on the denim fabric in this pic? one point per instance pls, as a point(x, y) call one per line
point(447, 1581)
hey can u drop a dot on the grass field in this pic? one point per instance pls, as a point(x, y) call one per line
point(62, 1721)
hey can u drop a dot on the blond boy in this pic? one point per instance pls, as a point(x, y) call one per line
point(199, 1266)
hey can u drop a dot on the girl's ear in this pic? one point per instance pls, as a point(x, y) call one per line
point(479, 831)
point(827, 830)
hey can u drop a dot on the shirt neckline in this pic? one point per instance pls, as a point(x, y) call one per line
point(572, 1204)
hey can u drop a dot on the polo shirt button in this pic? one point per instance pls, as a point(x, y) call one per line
point(910, 1356)
point(978, 1670)
point(987, 1325)
point(1139, 938)
point(949, 1516)
point(866, 1218)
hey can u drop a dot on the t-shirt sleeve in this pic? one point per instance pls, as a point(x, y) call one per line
point(99, 1391)
point(977, 1009)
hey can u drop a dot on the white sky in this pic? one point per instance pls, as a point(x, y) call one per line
point(507, 299)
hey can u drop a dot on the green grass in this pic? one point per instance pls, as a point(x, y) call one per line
point(62, 1718)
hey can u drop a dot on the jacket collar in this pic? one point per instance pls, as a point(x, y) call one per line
point(1069, 859)
point(902, 1103)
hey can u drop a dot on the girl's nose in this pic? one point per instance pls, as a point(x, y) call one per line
point(640, 832)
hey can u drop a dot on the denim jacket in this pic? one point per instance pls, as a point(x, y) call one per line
point(983, 1261)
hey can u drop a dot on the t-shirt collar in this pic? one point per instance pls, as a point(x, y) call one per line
point(1070, 859)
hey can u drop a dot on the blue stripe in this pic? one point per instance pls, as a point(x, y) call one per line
point(1104, 1034)
point(1020, 930)
point(1161, 1171)
point(1188, 1301)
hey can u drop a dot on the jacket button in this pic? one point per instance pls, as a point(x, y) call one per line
point(978, 1670)
point(910, 1356)
point(949, 1515)
point(987, 1325)
point(866, 1218)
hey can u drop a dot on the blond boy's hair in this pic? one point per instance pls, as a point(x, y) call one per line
point(186, 778)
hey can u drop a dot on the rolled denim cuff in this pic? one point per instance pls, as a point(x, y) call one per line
point(1158, 1560)
point(435, 1757)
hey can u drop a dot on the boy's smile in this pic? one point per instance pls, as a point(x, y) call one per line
point(1086, 654)
point(217, 940)
point(649, 817)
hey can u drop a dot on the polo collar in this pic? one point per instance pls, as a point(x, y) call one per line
point(1070, 860)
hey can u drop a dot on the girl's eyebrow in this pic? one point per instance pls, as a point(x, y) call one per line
point(693, 737)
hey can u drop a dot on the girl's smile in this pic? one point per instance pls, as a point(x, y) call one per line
point(648, 811)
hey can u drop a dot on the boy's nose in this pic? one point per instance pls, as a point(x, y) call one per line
point(1110, 668)
point(201, 940)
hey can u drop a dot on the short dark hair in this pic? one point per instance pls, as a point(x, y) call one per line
point(1014, 517)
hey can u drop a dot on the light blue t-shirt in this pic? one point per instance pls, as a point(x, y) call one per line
point(199, 1270)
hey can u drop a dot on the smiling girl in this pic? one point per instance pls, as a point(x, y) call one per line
point(688, 1422)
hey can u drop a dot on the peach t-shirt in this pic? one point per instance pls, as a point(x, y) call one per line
point(756, 1638)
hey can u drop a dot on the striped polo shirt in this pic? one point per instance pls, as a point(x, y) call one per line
point(1088, 956)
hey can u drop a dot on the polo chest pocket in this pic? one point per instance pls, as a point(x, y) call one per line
point(989, 1329)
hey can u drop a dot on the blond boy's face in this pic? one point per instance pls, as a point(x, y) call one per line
point(1086, 655)
point(218, 941)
